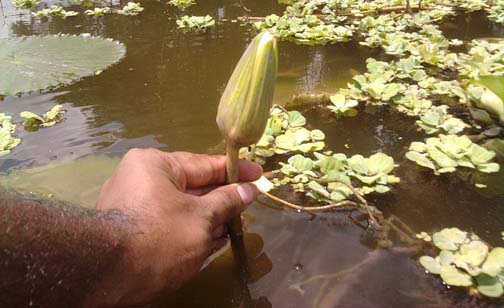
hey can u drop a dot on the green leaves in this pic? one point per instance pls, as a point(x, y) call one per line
point(448, 152)
point(195, 23)
point(437, 118)
point(7, 141)
point(342, 107)
point(465, 260)
point(50, 118)
point(131, 9)
point(38, 62)
point(182, 4)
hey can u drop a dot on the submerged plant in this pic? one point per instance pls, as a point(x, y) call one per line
point(245, 104)
point(55, 11)
point(195, 23)
point(182, 4)
point(464, 260)
point(7, 142)
point(448, 152)
point(50, 118)
point(38, 62)
point(131, 9)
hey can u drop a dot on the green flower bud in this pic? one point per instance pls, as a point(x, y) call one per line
point(246, 101)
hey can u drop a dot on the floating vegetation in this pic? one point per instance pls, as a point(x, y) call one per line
point(88, 3)
point(55, 11)
point(343, 107)
point(25, 4)
point(7, 141)
point(195, 23)
point(131, 9)
point(182, 4)
point(38, 62)
point(464, 260)
point(446, 153)
point(50, 118)
point(98, 11)
point(285, 133)
point(437, 119)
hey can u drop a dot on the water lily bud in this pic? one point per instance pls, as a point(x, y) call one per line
point(246, 101)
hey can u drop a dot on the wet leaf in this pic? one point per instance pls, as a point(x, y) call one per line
point(489, 286)
point(430, 264)
point(455, 277)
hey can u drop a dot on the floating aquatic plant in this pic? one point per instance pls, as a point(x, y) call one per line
point(285, 133)
point(55, 11)
point(464, 260)
point(343, 107)
point(38, 62)
point(182, 4)
point(446, 153)
point(25, 4)
point(195, 23)
point(98, 11)
point(34, 121)
point(437, 119)
point(131, 9)
point(7, 141)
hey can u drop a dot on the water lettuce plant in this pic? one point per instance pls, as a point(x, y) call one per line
point(7, 141)
point(343, 107)
point(195, 23)
point(55, 11)
point(284, 133)
point(464, 260)
point(446, 153)
point(182, 4)
point(25, 4)
point(38, 62)
point(50, 118)
point(437, 119)
point(98, 11)
point(131, 9)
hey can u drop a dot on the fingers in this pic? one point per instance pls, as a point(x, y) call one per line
point(226, 202)
point(202, 170)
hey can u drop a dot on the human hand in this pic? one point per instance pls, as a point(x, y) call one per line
point(179, 206)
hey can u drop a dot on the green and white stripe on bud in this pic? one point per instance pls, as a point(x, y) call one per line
point(246, 101)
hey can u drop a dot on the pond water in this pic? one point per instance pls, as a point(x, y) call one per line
point(164, 94)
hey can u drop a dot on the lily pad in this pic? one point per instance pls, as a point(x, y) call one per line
point(38, 62)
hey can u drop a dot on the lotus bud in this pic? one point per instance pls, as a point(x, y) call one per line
point(246, 101)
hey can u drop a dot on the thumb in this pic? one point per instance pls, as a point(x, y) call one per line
point(227, 202)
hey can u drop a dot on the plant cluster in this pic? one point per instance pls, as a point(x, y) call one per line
point(464, 260)
point(55, 11)
point(195, 23)
point(98, 11)
point(7, 141)
point(25, 4)
point(50, 118)
point(182, 4)
point(131, 9)
point(326, 177)
point(447, 152)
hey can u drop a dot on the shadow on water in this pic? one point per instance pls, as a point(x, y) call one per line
point(165, 94)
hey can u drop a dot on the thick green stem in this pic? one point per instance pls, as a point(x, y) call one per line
point(235, 226)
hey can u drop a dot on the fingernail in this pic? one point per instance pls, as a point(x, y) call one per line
point(247, 193)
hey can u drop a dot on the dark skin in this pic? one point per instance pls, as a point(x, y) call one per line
point(158, 218)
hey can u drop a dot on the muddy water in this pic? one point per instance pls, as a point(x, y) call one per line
point(165, 93)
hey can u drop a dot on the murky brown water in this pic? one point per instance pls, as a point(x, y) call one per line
point(165, 94)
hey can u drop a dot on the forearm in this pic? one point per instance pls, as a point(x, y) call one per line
point(53, 254)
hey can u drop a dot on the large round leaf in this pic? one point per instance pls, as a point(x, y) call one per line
point(38, 62)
